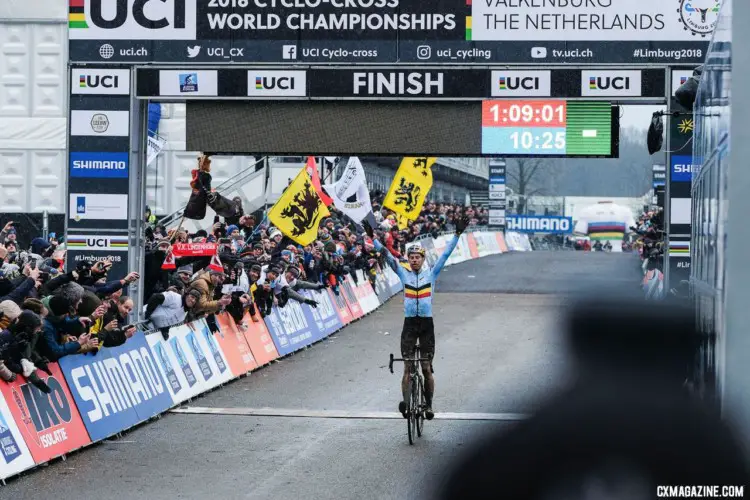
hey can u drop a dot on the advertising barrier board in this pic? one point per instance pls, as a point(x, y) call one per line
point(291, 328)
point(202, 342)
point(259, 339)
point(117, 387)
point(234, 346)
point(325, 315)
point(347, 290)
point(339, 302)
point(181, 380)
point(14, 454)
point(50, 424)
point(382, 290)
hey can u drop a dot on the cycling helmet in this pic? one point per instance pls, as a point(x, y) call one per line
point(415, 248)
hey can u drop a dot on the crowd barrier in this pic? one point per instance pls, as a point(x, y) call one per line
point(97, 396)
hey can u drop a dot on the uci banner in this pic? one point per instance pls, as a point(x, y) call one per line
point(117, 387)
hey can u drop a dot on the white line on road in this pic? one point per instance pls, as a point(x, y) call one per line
point(352, 414)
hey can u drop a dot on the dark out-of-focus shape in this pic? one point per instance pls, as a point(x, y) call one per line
point(626, 426)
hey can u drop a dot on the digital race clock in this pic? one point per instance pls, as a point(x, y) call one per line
point(550, 127)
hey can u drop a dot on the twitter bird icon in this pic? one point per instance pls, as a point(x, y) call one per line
point(193, 52)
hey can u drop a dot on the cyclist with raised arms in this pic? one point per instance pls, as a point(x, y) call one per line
point(418, 324)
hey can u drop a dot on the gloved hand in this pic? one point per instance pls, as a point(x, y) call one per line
point(311, 303)
point(44, 367)
point(461, 225)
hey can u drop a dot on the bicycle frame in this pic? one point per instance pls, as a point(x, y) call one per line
point(415, 401)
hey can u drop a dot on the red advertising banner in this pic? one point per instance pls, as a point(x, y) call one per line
point(347, 290)
point(345, 315)
point(260, 341)
point(235, 347)
point(49, 423)
point(501, 242)
point(473, 248)
point(194, 249)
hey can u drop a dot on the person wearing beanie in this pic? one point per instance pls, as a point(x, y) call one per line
point(16, 349)
point(9, 311)
point(206, 283)
point(36, 306)
point(59, 330)
point(282, 290)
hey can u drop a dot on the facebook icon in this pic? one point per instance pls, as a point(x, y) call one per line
point(289, 52)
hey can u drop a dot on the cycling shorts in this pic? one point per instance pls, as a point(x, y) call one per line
point(418, 329)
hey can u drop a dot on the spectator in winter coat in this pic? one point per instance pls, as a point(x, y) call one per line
point(170, 308)
point(206, 283)
point(16, 350)
point(57, 331)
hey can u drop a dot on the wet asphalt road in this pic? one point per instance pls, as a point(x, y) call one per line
point(499, 350)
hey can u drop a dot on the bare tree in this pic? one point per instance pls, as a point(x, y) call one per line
point(521, 173)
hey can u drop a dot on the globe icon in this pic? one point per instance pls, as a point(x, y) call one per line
point(106, 51)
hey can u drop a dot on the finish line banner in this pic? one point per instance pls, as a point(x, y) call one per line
point(383, 31)
point(546, 224)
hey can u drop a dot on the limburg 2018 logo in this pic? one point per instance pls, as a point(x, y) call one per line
point(699, 16)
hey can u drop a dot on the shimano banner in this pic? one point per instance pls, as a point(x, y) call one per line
point(377, 31)
point(117, 387)
point(547, 224)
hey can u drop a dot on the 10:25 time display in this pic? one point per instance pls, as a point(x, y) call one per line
point(527, 140)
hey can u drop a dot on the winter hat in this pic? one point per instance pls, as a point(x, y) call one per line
point(39, 245)
point(10, 309)
point(72, 292)
point(258, 245)
point(89, 303)
point(274, 233)
point(286, 253)
point(34, 305)
point(294, 271)
point(325, 238)
point(27, 322)
point(186, 269)
point(330, 246)
point(195, 293)
point(58, 305)
point(232, 228)
point(255, 268)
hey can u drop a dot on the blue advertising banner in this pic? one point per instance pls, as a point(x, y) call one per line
point(116, 388)
point(291, 328)
point(682, 168)
point(324, 316)
point(99, 165)
point(549, 224)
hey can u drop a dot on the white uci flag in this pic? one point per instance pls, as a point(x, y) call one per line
point(349, 193)
point(155, 145)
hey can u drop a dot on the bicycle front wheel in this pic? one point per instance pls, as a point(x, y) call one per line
point(410, 427)
point(420, 405)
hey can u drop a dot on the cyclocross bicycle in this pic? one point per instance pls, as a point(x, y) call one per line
point(416, 404)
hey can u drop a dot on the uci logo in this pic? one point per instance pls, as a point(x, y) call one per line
point(94, 81)
point(609, 83)
point(273, 83)
point(518, 83)
point(133, 20)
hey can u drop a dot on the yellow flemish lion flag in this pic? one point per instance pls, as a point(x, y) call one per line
point(410, 187)
point(299, 211)
point(403, 222)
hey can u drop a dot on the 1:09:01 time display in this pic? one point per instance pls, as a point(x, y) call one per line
point(527, 113)
point(547, 140)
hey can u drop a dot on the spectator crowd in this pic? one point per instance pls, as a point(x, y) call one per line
point(47, 313)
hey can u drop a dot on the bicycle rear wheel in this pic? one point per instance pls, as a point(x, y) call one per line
point(410, 415)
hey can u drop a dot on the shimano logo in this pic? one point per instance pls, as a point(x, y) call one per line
point(539, 224)
point(684, 169)
point(100, 165)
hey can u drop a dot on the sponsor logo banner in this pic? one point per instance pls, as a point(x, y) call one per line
point(117, 388)
point(521, 84)
point(234, 345)
point(539, 224)
point(98, 206)
point(100, 81)
point(202, 343)
point(292, 328)
point(347, 290)
point(599, 83)
point(188, 83)
point(276, 83)
point(259, 339)
point(49, 423)
point(99, 123)
point(99, 165)
point(683, 168)
point(339, 302)
point(679, 78)
point(194, 249)
point(115, 243)
point(325, 316)
point(14, 454)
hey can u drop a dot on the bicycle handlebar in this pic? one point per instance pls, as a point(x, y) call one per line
point(390, 363)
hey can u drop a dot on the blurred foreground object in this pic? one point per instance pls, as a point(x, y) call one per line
point(625, 427)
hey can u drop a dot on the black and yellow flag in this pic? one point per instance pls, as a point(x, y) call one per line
point(299, 211)
point(410, 187)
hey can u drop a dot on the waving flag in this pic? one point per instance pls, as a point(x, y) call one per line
point(410, 187)
point(312, 171)
point(349, 193)
point(299, 211)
